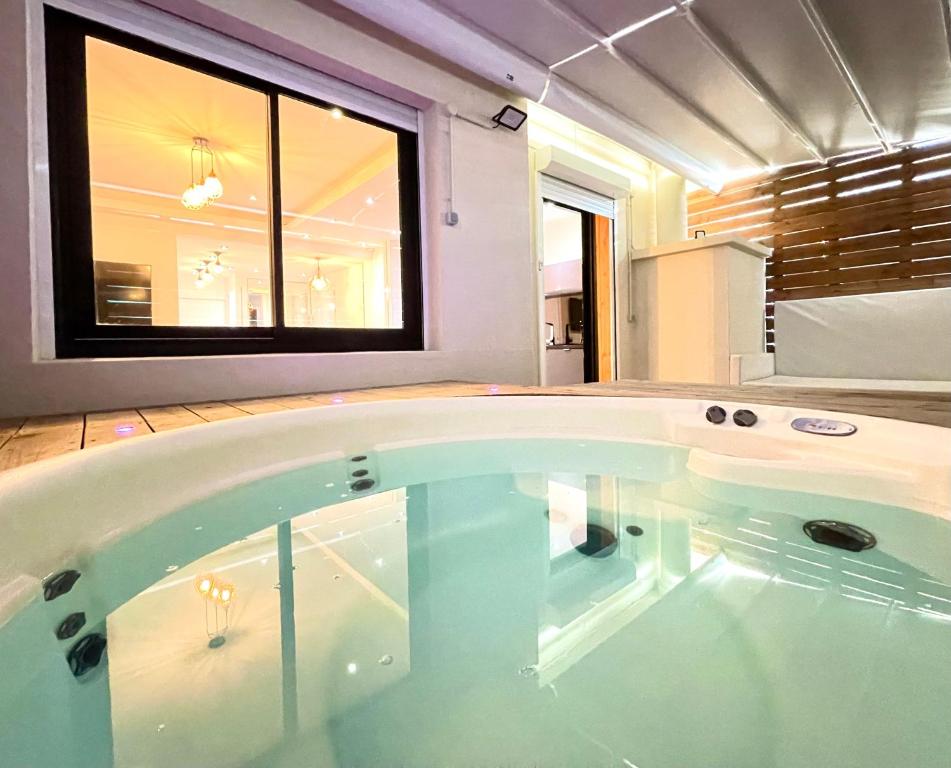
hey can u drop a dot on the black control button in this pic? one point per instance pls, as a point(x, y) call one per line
point(716, 415)
point(71, 625)
point(744, 418)
point(59, 584)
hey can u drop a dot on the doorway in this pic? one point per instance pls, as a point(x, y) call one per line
point(577, 267)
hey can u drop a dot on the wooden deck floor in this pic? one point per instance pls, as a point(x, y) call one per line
point(23, 441)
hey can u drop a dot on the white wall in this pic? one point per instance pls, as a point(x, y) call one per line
point(478, 276)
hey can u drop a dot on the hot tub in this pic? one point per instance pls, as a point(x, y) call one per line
point(514, 581)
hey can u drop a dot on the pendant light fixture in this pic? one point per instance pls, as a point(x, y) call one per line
point(208, 188)
point(319, 282)
point(203, 275)
point(209, 267)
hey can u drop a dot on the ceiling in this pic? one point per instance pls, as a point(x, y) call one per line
point(735, 84)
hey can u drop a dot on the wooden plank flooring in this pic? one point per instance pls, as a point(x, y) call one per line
point(113, 426)
point(215, 411)
point(23, 441)
point(8, 428)
point(169, 417)
point(42, 437)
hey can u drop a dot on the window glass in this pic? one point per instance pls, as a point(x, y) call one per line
point(178, 165)
point(341, 220)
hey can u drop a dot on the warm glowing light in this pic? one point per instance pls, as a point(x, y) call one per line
point(209, 188)
point(204, 584)
point(194, 198)
point(370, 201)
point(319, 283)
point(352, 668)
point(336, 113)
point(213, 186)
point(215, 592)
point(227, 592)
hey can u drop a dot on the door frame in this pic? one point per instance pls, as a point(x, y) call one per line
point(609, 187)
point(591, 289)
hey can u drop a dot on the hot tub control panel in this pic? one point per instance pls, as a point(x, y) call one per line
point(824, 427)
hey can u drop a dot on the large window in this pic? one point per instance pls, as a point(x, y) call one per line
point(197, 210)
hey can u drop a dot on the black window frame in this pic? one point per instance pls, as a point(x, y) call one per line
point(77, 333)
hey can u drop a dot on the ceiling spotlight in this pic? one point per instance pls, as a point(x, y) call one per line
point(336, 113)
point(510, 117)
point(370, 201)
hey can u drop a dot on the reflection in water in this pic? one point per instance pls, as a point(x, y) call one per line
point(466, 622)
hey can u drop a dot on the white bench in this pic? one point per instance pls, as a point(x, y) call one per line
point(897, 341)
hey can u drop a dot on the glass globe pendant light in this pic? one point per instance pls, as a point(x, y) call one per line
point(211, 184)
point(194, 198)
point(319, 282)
point(213, 187)
point(209, 188)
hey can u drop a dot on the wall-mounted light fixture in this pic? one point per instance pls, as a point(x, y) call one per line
point(510, 117)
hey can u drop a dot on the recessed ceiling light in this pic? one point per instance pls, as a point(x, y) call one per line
point(370, 201)
point(336, 113)
point(253, 197)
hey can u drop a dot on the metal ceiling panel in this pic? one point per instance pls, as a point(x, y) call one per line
point(524, 24)
point(631, 95)
point(795, 66)
point(611, 16)
point(676, 53)
point(776, 73)
point(899, 52)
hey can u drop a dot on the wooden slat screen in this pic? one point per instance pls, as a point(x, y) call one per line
point(858, 224)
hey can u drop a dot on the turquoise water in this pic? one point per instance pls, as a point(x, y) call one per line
point(465, 611)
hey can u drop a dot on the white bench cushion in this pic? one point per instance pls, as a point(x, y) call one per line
point(902, 335)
